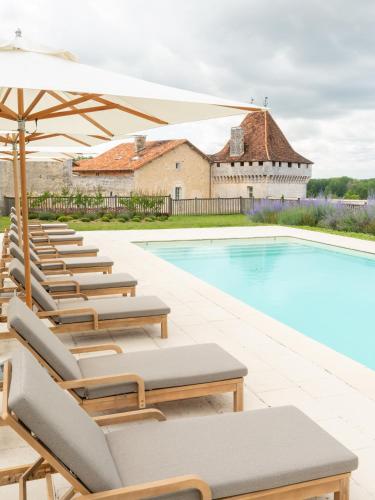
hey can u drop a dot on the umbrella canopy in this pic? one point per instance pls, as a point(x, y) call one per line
point(47, 93)
point(62, 95)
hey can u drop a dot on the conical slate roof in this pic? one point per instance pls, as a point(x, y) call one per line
point(263, 141)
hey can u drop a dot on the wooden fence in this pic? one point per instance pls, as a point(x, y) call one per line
point(164, 205)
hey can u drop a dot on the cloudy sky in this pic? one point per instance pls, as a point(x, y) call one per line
point(313, 59)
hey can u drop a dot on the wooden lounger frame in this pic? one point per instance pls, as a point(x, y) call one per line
point(49, 464)
point(142, 397)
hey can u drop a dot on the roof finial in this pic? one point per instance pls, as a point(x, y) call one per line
point(18, 33)
point(265, 104)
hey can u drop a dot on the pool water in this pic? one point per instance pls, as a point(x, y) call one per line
point(324, 292)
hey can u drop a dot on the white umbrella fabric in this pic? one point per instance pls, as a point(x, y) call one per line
point(47, 93)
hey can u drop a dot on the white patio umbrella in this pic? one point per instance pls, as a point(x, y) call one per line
point(46, 91)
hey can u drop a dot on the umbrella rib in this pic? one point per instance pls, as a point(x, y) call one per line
point(88, 118)
point(131, 111)
point(6, 94)
point(75, 139)
point(76, 111)
point(8, 111)
point(38, 97)
point(47, 111)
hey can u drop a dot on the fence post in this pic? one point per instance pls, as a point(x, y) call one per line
point(170, 205)
point(241, 205)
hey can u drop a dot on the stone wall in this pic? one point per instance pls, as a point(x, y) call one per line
point(107, 184)
point(41, 176)
point(267, 180)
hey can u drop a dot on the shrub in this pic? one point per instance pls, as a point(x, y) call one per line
point(105, 218)
point(33, 215)
point(321, 213)
point(47, 216)
point(136, 218)
point(85, 219)
point(150, 219)
point(162, 217)
point(122, 219)
point(64, 218)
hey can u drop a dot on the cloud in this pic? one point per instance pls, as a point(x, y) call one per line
point(314, 60)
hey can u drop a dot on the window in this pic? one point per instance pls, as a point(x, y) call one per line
point(232, 164)
point(260, 163)
point(242, 164)
point(274, 164)
point(177, 192)
point(250, 163)
point(289, 164)
point(97, 174)
point(250, 191)
point(178, 165)
point(299, 165)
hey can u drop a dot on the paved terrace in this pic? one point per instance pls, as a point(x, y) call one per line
point(285, 367)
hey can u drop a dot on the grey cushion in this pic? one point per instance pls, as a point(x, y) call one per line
point(160, 368)
point(56, 239)
point(46, 344)
point(74, 262)
point(93, 282)
point(40, 295)
point(65, 249)
point(234, 453)
point(17, 253)
point(117, 308)
point(61, 424)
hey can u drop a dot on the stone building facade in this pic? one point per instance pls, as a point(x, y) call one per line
point(258, 161)
point(171, 167)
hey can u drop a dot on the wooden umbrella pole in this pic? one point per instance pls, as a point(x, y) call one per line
point(24, 205)
point(17, 191)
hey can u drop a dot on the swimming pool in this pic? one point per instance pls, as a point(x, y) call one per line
point(325, 292)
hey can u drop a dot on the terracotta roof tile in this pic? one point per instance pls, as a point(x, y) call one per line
point(263, 141)
point(124, 157)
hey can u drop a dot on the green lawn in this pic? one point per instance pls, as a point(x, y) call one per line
point(180, 221)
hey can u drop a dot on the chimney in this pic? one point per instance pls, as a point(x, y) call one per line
point(139, 143)
point(236, 147)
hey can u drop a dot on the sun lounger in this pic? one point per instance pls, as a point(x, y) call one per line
point(42, 230)
point(131, 379)
point(273, 454)
point(42, 239)
point(93, 314)
point(51, 251)
point(73, 264)
point(49, 225)
point(90, 285)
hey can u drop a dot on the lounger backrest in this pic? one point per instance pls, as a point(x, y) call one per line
point(60, 424)
point(13, 210)
point(14, 219)
point(13, 227)
point(13, 237)
point(40, 295)
point(17, 253)
point(46, 344)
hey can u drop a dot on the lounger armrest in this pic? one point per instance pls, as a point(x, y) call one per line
point(65, 282)
point(154, 489)
point(96, 348)
point(109, 380)
point(71, 312)
point(52, 261)
point(130, 416)
point(51, 250)
point(37, 232)
point(58, 272)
